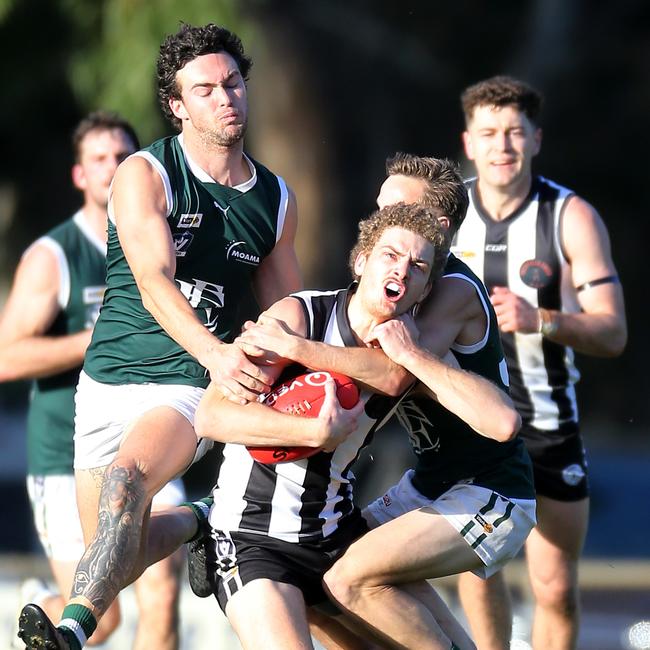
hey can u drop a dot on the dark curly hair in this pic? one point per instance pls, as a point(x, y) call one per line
point(101, 121)
point(188, 43)
point(422, 220)
point(444, 186)
point(502, 91)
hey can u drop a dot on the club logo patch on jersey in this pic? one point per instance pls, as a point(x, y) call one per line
point(190, 220)
point(92, 298)
point(462, 254)
point(93, 295)
point(418, 427)
point(487, 526)
point(182, 241)
point(536, 274)
point(235, 251)
point(226, 554)
point(205, 296)
point(573, 474)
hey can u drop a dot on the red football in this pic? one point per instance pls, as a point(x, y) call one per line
point(303, 396)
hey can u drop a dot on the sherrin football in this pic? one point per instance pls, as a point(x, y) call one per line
point(303, 396)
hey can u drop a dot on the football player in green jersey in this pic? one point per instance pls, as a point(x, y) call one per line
point(46, 327)
point(194, 223)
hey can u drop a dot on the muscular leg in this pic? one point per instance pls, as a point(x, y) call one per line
point(552, 551)
point(157, 591)
point(332, 634)
point(270, 615)
point(488, 609)
point(118, 529)
point(346, 633)
point(169, 529)
point(63, 573)
point(368, 580)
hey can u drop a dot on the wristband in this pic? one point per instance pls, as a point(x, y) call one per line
point(547, 324)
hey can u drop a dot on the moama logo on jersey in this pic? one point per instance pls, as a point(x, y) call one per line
point(235, 250)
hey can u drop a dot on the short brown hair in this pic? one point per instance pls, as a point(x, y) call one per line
point(444, 186)
point(421, 220)
point(101, 121)
point(502, 91)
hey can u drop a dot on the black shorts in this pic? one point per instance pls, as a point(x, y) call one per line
point(559, 461)
point(236, 558)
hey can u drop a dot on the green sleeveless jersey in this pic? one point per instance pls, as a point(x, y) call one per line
point(448, 450)
point(81, 258)
point(221, 234)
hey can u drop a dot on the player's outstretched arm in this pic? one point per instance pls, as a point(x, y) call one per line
point(474, 399)
point(32, 306)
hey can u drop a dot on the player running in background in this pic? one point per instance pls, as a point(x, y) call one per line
point(544, 254)
point(199, 224)
point(45, 329)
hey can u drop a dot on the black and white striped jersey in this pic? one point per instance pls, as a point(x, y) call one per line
point(524, 253)
point(309, 499)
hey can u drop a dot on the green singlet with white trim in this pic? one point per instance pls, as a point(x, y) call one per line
point(448, 450)
point(81, 259)
point(221, 234)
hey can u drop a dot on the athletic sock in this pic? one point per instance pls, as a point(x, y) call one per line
point(77, 624)
point(201, 510)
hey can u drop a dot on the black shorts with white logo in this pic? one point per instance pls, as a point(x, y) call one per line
point(236, 558)
point(559, 461)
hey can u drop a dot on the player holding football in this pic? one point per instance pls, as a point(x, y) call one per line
point(471, 493)
point(277, 529)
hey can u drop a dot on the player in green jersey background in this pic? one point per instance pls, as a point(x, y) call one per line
point(46, 327)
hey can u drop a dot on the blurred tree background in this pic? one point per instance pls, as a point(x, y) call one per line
point(337, 86)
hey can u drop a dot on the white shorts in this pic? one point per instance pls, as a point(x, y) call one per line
point(54, 506)
point(494, 526)
point(103, 412)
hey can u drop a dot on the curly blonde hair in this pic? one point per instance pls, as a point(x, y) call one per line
point(419, 219)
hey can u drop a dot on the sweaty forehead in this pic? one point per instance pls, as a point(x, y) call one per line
point(400, 189)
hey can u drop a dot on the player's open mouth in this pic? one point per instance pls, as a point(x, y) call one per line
point(394, 290)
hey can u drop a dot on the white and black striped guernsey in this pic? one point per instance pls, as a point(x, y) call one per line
point(307, 500)
point(524, 253)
